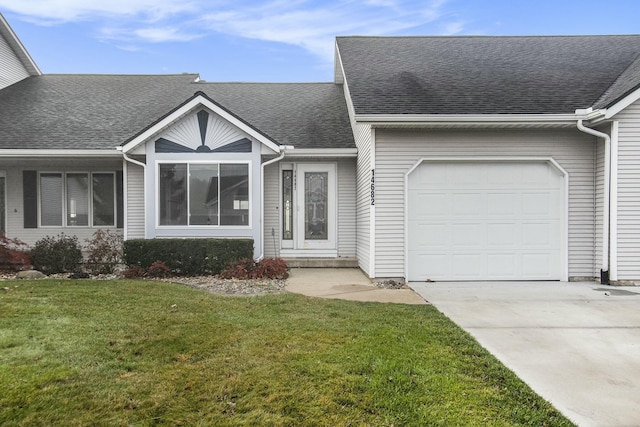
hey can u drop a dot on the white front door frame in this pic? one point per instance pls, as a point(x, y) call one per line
point(299, 246)
point(327, 213)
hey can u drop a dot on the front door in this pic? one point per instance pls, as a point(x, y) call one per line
point(316, 206)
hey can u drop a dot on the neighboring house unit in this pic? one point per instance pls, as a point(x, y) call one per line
point(427, 158)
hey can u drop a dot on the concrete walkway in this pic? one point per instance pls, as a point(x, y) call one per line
point(345, 283)
point(575, 344)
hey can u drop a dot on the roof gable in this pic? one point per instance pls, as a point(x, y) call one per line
point(483, 75)
point(187, 126)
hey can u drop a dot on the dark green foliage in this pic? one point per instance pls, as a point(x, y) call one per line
point(104, 252)
point(187, 256)
point(59, 254)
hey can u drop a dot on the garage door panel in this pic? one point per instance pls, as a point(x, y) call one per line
point(438, 205)
point(466, 204)
point(502, 235)
point(469, 265)
point(502, 265)
point(437, 236)
point(503, 204)
point(468, 235)
point(486, 221)
point(431, 264)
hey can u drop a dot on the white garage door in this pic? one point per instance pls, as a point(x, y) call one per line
point(485, 221)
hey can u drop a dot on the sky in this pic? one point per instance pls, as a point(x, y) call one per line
point(273, 41)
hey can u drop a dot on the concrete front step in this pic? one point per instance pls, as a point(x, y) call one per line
point(321, 262)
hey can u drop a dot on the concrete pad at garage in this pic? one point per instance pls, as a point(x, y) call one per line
point(345, 283)
point(575, 344)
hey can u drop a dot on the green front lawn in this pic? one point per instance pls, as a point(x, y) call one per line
point(147, 353)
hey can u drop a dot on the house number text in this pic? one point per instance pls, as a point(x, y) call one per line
point(373, 187)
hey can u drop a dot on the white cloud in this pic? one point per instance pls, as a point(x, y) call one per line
point(57, 11)
point(311, 25)
point(315, 27)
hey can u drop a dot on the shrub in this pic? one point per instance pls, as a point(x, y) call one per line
point(267, 268)
point(134, 272)
point(187, 256)
point(158, 269)
point(60, 254)
point(104, 252)
point(14, 254)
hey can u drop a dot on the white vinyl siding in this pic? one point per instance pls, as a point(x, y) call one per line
point(272, 190)
point(11, 69)
point(398, 150)
point(629, 192)
point(134, 215)
point(363, 197)
point(346, 208)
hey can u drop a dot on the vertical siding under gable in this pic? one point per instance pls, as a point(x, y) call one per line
point(271, 211)
point(134, 216)
point(11, 69)
point(398, 150)
point(346, 208)
point(363, 197)
point(629, 193)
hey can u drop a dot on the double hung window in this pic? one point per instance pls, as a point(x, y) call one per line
point(77, 199)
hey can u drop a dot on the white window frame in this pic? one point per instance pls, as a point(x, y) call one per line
point(202, 162)
point(90, 196)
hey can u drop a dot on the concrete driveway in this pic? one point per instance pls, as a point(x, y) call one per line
point(575, 344)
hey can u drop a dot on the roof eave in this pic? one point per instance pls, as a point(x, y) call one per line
point(622, 103)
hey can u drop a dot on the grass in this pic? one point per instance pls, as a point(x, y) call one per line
point(148, 353)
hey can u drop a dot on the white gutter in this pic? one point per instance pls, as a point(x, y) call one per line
point(282, 149)
point(13, 152)
point(589, 114)
point(606, 211)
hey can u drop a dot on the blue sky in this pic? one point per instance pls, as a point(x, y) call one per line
point(279, 40)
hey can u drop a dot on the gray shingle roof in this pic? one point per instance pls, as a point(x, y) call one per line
point(103, 111)
point(487, 75)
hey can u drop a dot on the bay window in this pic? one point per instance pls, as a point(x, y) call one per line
point(203, 194)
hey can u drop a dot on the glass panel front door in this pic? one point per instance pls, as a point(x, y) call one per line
point(315, 205)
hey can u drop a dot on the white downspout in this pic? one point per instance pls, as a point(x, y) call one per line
point(606, 210)
point(613, 200)
point(283, 149)
point(144, 176)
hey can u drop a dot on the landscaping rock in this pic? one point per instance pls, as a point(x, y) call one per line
point(30, 274)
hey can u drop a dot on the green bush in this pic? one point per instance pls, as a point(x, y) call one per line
point(59, 254)
point(187, 257)
point(104, 252)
